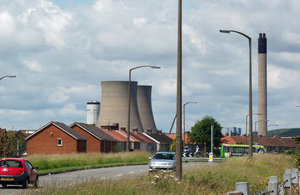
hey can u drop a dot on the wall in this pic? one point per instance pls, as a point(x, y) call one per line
point(45, 142)
point(93, 144)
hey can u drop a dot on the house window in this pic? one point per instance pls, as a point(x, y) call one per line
point(59, 141)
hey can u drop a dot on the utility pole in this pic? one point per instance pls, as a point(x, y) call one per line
point(179, 96)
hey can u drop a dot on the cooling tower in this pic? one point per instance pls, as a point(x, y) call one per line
point(145, 107)
point(92, 112)
point(114, 108)
point(262, 84)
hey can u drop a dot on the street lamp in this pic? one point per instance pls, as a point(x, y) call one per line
point(247, 124)
point(8, 76)
point(247, 120)
point(256, 123)
point(184, 119)
point(129, 99)
point(274, 125)
point(250, 88)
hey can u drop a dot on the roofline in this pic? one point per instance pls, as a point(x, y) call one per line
point(113, 135)
point(75, 123)
point(125, 136)
point(151, 138)
point(51, 122)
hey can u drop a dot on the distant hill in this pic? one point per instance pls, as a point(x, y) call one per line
point(288, 132)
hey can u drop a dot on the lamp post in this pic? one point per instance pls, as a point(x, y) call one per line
point(8, 76)
point(184, 119)
point(4, 138)
point(247, 124)
point(256, 123)
point(250, 88)
point(274, 125)
point(129, 100)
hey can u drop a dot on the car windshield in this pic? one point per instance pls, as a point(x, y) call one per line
point(10, 163)
point(165, 156)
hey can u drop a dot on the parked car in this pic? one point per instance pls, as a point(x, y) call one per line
point(18, 171)
point(163, 160)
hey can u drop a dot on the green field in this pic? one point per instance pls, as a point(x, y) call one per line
point(57, 163)
point(218, 179)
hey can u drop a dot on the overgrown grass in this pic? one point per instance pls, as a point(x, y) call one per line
point(51, 163)
point(211, 179)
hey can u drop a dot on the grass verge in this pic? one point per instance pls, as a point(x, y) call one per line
point(211, 179)
point(58, 163)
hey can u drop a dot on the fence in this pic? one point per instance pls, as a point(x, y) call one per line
point(289, 185)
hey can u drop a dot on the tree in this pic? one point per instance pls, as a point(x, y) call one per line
point(200, 132)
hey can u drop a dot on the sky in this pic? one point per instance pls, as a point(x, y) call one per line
point(61, 50)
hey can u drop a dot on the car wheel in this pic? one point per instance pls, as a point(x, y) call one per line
point(36, 183)
point(25, 184)
point(4, 185)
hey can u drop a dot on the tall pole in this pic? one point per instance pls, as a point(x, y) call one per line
point(250, 89)
point(212, 139)
point(246, 125)
point(250, 100)
point(128, 120)
point(179, 95)
point(247, 122)
point(129, 101)
point(4, 139)
point(184, 119)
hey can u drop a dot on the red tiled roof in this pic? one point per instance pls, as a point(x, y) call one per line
point(187, 139)
point(142, 137)
point(172, 136)
point(124, 133)
point(115, 135)
point(265, 141)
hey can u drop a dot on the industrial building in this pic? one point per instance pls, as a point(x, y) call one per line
point(114, 106)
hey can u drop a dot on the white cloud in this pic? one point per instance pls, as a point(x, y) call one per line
point(7, 24)
point(61, 54)
point(70, 110)
point(280, 78)
point(58, 97)
point(139, 22)
point(33, 65)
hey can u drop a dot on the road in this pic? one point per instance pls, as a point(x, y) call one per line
point(83, 175)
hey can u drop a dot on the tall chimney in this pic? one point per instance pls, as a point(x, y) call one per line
point(262, 85)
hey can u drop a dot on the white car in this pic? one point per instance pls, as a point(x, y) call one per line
point(163, 160)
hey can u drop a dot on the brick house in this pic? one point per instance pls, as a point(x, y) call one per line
point(55, 138)
point(97, 139)
point(146, 143)
point(121, 140)
point(163, 142)
point(135, 142)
